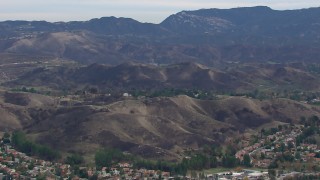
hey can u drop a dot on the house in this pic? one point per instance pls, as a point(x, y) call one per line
point(116, 172)
point(74, 178)
point(165, 174)
point(258, 175)
point(15, 175)
point(239, 155)
point(310, 156)
point(126, 95)
point(263, 163)
point(125, 165)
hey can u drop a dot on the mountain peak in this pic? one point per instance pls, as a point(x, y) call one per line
point(254, 8)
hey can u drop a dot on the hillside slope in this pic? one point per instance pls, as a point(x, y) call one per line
point(153, 128)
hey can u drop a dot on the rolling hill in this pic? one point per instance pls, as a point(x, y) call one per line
point(151, 127)
point(144, 77)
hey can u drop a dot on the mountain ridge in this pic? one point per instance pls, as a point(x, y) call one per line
point(188, 75)
point(122, 25)
point(211, 37)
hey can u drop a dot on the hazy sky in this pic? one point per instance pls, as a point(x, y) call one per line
point(142, 10)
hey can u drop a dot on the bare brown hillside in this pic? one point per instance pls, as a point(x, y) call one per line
point(152, 127)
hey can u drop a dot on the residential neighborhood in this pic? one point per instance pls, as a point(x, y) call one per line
point(17, 165)
point(285, 152)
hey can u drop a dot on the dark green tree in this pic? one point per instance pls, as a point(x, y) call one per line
point(297, 155)
point(272, 173)
point(20, 141)
point(282, 147)
point(290, 145)
point(74, 159)
point(247, 160)
point(273, 165)
point(6, 135)
point(107, 157)
point(229, 161)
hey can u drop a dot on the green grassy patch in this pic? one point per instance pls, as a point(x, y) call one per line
point(217, 170)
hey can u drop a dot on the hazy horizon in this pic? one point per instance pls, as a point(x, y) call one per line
point(152, 11)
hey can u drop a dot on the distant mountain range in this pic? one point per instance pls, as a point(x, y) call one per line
point(208, 36)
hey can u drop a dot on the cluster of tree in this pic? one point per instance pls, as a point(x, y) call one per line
point(272, 174)
point(246, 160)
point(82, 173)
point(297, 95)
point(108, 157)
point(74, 159)
point(303, 177)
point(305, 136)
point(273, 130)
point(302, 96)
point(256, 94)
point(273, 165)
point(6, 138)
point(311, 121)
point(283, 147)
point(213, 156)
point(21, 143)
point(286, 157)
point(280, 93)
point(230, 161)
point(195, 162)
point(311, 127)
point(170, 92)
point(210, 157)
point(33, 90)
point(264, 94)
point(25, 89)
point(200, 161)
point(314, 68)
